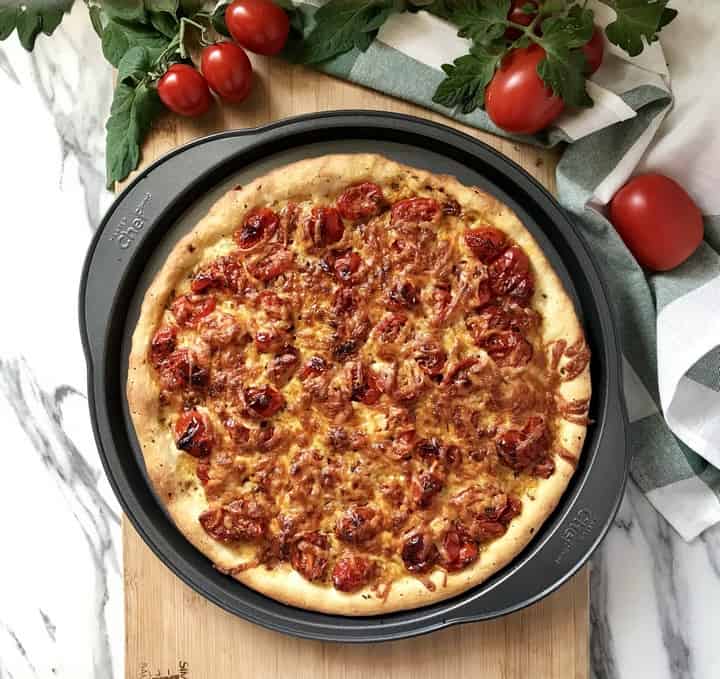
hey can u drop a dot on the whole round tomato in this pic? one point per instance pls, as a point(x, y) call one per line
point(258, 25)
point(594, 51)
point(228, 71)
point(183, 90)
point(517, 100)
point(659, 222)
point(518, 16)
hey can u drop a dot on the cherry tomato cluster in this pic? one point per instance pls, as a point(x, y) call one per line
point(517, 100)
point(256, 25)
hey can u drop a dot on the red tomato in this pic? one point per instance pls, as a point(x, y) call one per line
point(659, 222)
point(193, 433)
point(594, 51)
point(351, 572)
point(510, 275)
point(184, 91)
point(262, 402)
point(486, 243)
point(361, 201)
point(517, 100)
point(275, 263)
point(259, 224)
point(228, 71)
point(189, 309)
point(518, 16)
point(163, 344)
point(347, 266)
point(258, 25)
point(324, 226)
point(415, 211)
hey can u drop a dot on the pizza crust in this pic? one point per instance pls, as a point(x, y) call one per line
point(322, 179)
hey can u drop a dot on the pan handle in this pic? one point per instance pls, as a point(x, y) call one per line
point(129, 223)
point(584, 524)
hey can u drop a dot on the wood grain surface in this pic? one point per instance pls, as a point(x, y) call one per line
point(173, 632)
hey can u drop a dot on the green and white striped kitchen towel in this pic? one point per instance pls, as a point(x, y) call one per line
point(669, 323)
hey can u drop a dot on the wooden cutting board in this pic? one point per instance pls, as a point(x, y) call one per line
point(172, 632)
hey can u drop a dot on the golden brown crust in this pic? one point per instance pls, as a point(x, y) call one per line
point(321, 180)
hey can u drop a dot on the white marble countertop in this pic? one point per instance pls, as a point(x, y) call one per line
point(655, 599)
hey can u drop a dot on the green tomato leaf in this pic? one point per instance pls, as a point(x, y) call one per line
point(666, 17)
point(125, 10)
point(118, 37)
point(165, 23)
point(51, 20)
point(299, 17)
point(31, 18)
point(467, 78)
point(341, 25)
point(440, 8)
point(170, 6)
point(135, 64)
point(637, 19)
point(364, 40)
point(571, 31)
point(482, 21)
point(131, 115)
point(97, 19)
point(8, 16)
point(217, 18)
point(114, 43)
point(563, 71)
point(563, 68)
point(191, 7)
point(28, 24)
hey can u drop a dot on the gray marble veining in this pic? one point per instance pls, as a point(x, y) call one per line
point(655, 599)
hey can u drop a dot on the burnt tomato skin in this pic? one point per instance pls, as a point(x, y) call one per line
point(193, 433)
point(259, 225)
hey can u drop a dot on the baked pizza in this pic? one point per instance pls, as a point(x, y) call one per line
point(359, 387)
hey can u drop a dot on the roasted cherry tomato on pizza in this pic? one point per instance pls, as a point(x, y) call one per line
point(324, 226)
point(258, 225)
point(361, 201)
point(415, 211)
point(193, 433)
point(659, 222)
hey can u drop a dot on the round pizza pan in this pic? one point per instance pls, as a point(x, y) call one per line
point(171, 195)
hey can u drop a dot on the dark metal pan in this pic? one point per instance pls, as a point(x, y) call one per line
point(171, 195)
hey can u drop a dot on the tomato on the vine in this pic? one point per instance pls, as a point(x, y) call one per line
point(184, 91)
point(228, 71)
point(659, 222)
point(517, 100)
point(594, 51)
point(258, 25)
